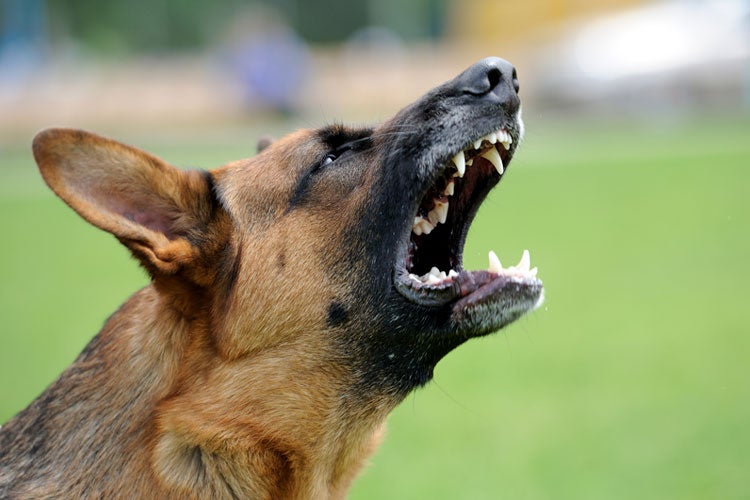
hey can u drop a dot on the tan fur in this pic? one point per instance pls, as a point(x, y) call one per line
point(247, 403)
point(281, 325)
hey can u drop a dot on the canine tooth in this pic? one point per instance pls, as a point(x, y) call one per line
point(460, 161)
point(449, 188)
point(525, 262)
point(444, 213)
point(494, 157)
point(495, 265)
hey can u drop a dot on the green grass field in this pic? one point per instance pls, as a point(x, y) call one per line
point(632, 381)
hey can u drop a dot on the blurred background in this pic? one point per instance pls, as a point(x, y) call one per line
point(630, 190)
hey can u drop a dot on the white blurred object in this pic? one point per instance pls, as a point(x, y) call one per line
point(663, 37)
point(672, 48)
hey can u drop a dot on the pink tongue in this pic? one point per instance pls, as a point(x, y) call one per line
point(467, 282)
point(476, 286)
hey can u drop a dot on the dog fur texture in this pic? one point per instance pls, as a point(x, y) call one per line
point(280, 327)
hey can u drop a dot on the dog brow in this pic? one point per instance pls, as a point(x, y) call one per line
point(336, 136)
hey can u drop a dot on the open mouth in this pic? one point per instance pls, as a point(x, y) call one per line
point(430, 272)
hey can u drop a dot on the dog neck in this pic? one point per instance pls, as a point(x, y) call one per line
point(252, 427)
point(257, 426)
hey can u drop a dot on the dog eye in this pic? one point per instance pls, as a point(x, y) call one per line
point(334, 155)
point(330, 158)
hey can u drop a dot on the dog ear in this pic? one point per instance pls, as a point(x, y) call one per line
point(153, 208)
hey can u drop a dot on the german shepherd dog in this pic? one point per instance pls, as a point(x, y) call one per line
point(296, 298)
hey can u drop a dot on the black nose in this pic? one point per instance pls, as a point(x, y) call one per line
point(491, 76)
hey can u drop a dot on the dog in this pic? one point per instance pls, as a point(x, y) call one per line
point(296, 298)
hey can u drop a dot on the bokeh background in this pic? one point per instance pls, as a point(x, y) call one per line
point(630, 190)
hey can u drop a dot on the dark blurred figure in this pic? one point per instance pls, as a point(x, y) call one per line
point(270, 61)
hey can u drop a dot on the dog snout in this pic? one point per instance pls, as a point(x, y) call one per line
point(494, 78)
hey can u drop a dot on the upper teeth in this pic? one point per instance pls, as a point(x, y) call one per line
point(439, 214)
point(504, 138)
point(501, 137)
point(460, 161)
point(422, 226)
point(494, 157)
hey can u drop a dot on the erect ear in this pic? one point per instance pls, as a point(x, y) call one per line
point(161, 213)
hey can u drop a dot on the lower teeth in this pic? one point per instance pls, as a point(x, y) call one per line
point(434, 277)
point(522, 269)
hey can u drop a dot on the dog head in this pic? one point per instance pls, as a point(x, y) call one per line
point(345, 243)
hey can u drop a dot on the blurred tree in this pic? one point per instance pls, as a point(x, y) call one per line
point(337, 20)
point(141, 25)
point(114, 26)
point(329, 20)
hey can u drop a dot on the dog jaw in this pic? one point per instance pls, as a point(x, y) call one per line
point(378, 219)
point(282, 325)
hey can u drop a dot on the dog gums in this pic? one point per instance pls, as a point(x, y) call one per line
point(296, 298)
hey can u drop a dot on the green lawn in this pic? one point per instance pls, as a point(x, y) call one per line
point(632, 381)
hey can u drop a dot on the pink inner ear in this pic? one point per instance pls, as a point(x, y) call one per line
point(154, 218)
point(152, 221)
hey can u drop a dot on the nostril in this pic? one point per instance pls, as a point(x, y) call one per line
point(494, 76)
point(491, 75)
